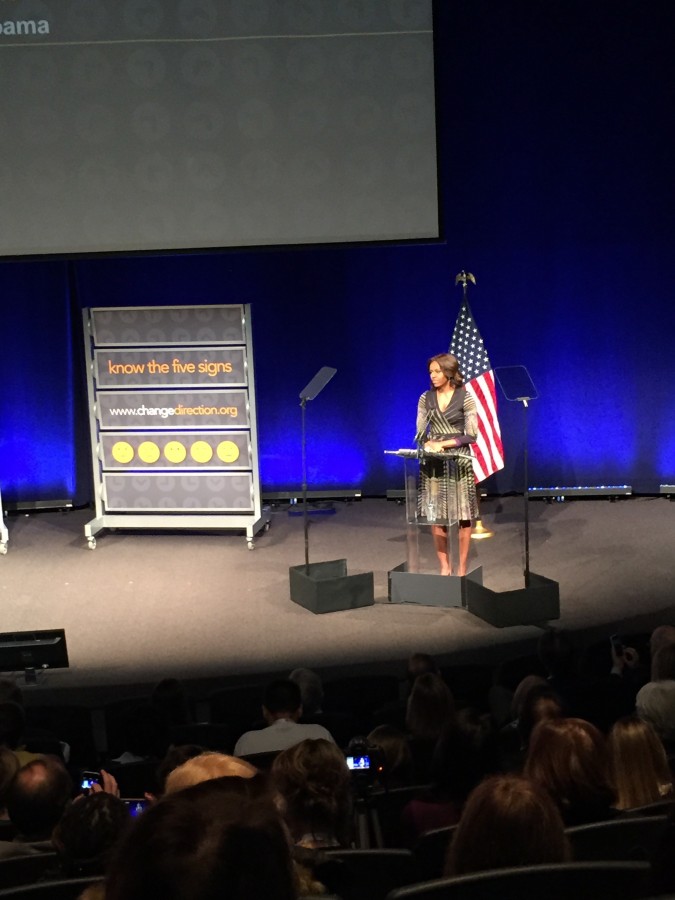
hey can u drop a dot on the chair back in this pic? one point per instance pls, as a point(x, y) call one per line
point(64, 889)
point(431, 851)
point(372, 874)
point(17, 870)
point(620, 839)
point(561, 881)
point(262, 761)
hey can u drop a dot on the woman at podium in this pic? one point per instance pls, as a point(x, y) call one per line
point(447, 422)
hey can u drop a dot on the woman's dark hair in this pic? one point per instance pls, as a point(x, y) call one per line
point(541, 702)
point(88, 831)
point(313, 779)
point(464, 756)
point(663, 664)
point(449, 366)
point(204, 843)
point(431, 707)
point(569, 758)
point(175, 756)
point(508, 821)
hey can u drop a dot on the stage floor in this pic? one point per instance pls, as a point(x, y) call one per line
point(198, 605)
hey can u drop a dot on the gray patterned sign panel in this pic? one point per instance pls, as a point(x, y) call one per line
point(195, 492)
point(172, 409)
point(205, 367)
point(130, 326)
point(175, 450)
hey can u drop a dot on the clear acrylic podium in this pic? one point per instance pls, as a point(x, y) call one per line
point(418, 580)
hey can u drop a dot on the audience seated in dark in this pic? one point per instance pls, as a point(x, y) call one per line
point(282, 708)
point(9, 766)
point(207, 767)
point(314, 786)
point(655, 701)
point(311, 691)
point(171, 702)
point(12, 725)
point(204, 843)
point(569, 759)
point(639, 764)
point(398, 768)
point(533, 699)
point(394, 712)
point(174, 757)
point(340, 725)
point(37, 798)
point(508, 821)
point(463, 756)
point(600, 700)
point(87, 833)
point(143, 734)
point(430, 714)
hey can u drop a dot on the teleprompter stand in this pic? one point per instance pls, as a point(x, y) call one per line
point(539, 600)
point(417, 579)
point(325, 586)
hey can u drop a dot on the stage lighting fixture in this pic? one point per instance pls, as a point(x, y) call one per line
point(600, 490)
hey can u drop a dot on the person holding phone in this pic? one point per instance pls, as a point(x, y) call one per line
point(447, 420)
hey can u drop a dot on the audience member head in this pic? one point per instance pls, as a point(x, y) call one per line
point(282, 700)
point(523, 688)
point(206, 767)
point(570, 759)
point(463, 756)
point(314, 784)
point(174, 757)
point(171, 702)
point(420, 664)
point(639, 764)
point(663, 663)
point(311, 690)
point(204, 843)
point(660, 637)
point(9, 766)
point(12, 724)
point(88, 831)
point(507, 821)
point(431, 707)
point(655, 703)
point(399, 769)
point(540, 703)
point(143, 731)
point(38, 796)
point(557, 654)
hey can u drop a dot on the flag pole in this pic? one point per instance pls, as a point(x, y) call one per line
point(479, 532)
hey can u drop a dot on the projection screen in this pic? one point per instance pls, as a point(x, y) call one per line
point(132, 125)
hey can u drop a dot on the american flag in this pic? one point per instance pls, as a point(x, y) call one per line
point(467, 345)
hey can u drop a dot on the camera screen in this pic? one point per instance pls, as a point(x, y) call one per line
point(136, 807)
point(358, 762)
point(88, 781)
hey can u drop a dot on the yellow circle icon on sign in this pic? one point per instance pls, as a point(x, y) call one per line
point(175, 452)
point(148, 452)
point(201, 452)
point(122, 452)
point(227, 451)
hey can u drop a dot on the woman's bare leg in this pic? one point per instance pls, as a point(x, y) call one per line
point(464, 545)
point(440, 535)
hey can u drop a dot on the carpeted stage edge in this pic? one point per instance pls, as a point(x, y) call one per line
point(202, 607)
